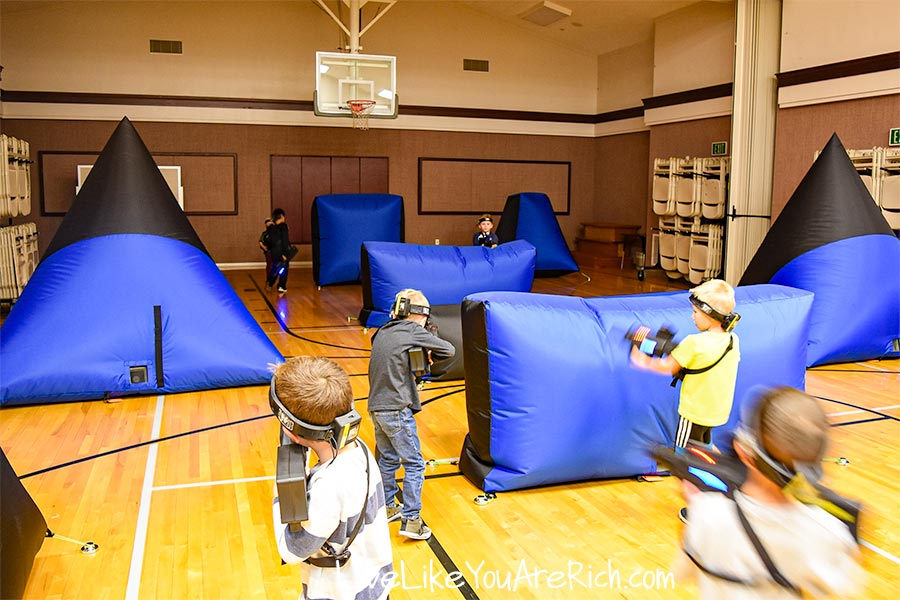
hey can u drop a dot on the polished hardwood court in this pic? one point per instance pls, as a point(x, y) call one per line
point(176, 490)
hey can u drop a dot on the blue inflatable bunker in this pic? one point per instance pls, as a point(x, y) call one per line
point(341, 223)
point(832, 239)
point(551, 394)
point(529, 216)
point(445, 274)
point(126, 299)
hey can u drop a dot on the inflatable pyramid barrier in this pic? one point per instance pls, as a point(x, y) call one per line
point(529, 216)
point(831, 239)
point(126, 299)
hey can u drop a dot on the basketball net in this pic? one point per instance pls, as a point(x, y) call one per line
point(360, 110)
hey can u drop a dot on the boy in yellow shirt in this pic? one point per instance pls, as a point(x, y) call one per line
point(705, 362)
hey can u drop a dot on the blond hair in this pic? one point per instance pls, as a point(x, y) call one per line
point(313, 389)
point(792, 427)
point(717, 293)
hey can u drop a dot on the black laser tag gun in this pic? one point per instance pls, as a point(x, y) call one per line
point(419, 363)
point(714, 471)
point(707, 469)
point(290, 480)
point(657, 344)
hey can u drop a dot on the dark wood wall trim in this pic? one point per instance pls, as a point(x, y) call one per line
point(847, 68)
point(706, 93)
point(307, 105)
point(146, 100)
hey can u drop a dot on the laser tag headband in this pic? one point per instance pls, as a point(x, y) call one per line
point(403, 307)
point(748, 435)
point(484, 218)
point(338, 433)
point(800, 481)
point(728, 321)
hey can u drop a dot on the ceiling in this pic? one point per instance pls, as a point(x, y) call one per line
point(595, 26)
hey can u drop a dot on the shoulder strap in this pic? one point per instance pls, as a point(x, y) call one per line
point(335, 559)
point(679, 376)
point(760, 549)
point(776, 575)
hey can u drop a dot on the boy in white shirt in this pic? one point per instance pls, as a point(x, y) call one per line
point(313, 400)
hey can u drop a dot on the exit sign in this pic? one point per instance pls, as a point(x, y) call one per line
point(895, 137)
point(721, 148)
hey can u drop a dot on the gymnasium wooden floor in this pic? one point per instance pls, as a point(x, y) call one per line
point(177, 490)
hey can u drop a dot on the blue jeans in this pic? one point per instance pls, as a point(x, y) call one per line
point(397, 443)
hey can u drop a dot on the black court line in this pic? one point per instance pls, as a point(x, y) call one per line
point(860, 421)
point(444, 475)
point(451, 569)
point(861, 408)
point(141, 444)
point(287, 329)
point(430, 400)
point(876, 372)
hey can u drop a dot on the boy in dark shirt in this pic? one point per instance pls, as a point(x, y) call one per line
point(393, 402)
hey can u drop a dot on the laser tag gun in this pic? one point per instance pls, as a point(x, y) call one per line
point(713, 471)
point(707, 469)
point(657, 344)
point(290, 481)
point(419, 363)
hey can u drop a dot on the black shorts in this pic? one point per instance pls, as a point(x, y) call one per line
point(688, 431)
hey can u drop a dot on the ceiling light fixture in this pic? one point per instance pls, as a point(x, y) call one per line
point(546, 13)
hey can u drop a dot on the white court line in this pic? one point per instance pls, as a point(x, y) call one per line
point(869, 366)
point(140, 534)
point(181, 486)
point(858, 411)
point(878, 550)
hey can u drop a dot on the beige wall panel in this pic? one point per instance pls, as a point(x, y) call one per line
point(625, 77)
point(484, 186)
point(820, 32)
point(694, 48)
point(803, 130)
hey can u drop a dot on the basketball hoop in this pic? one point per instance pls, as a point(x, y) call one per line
point(360, 110)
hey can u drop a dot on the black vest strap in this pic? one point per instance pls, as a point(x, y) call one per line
point(335, 559)
point(776, 575)
point(679, 376)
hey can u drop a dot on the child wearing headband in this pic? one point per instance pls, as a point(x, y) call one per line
point(394, 402)
point(705, 362)
point(799, 550)
point(344, 546)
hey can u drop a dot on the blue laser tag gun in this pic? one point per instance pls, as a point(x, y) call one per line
point(713, 471)
point(657, 344)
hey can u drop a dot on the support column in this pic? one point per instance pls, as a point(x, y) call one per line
point(756, 62)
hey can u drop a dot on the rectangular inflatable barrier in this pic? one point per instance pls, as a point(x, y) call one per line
point(445, 274)
point(548, 372)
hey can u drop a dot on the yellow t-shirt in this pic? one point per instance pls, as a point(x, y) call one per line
point(706, 398)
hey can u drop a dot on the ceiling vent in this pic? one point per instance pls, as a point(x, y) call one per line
point(545, 13)
point(472, 64)
point(165, 47)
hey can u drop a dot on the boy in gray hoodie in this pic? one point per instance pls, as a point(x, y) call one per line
point(393, 402)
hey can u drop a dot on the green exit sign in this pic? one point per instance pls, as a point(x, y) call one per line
point(719, 148)
point(895, 137)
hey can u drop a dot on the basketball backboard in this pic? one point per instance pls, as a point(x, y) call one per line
point(341, 77)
